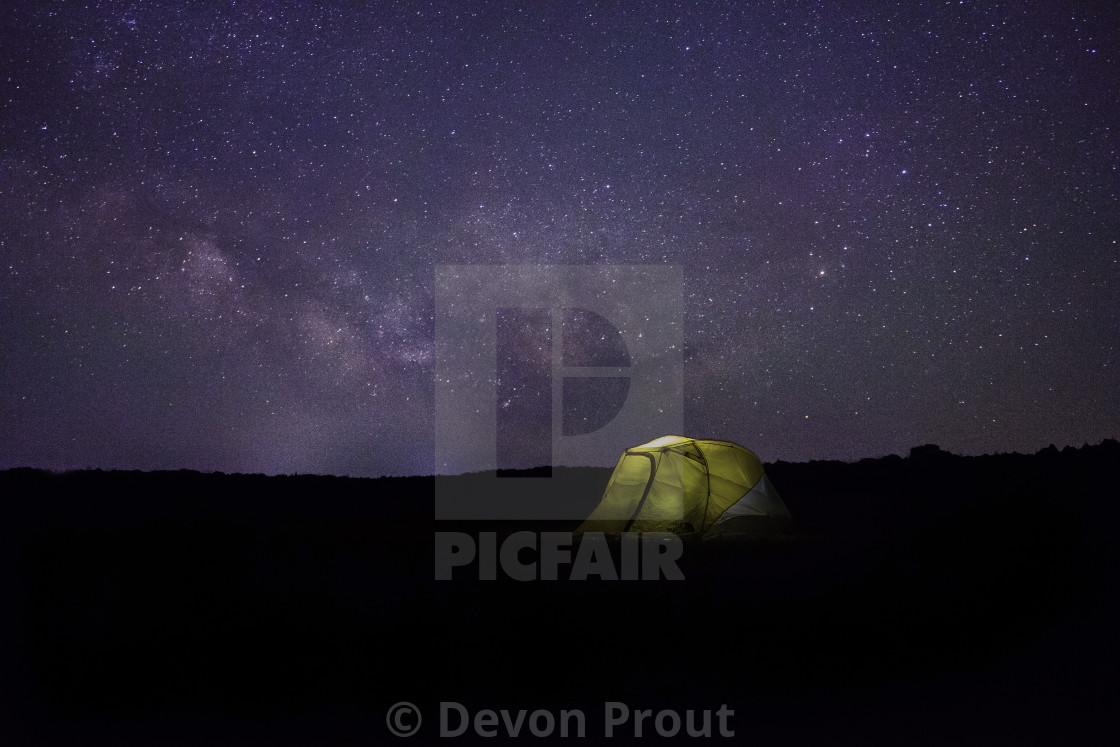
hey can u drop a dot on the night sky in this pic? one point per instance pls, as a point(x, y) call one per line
point(897, 223)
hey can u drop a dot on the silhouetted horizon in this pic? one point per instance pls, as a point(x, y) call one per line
point(937, 450)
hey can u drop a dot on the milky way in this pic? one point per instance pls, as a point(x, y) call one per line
point(220, 228)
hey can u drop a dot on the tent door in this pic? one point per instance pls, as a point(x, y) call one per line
point(645, 493)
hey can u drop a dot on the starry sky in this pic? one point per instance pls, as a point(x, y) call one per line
point(897, 223)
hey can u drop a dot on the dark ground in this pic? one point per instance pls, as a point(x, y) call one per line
point(930, 600)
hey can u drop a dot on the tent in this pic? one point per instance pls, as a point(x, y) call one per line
point(692, 487)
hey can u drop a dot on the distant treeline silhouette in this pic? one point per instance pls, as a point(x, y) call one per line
point(874, 495)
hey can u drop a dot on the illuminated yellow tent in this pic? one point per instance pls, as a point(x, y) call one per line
point(689, 487)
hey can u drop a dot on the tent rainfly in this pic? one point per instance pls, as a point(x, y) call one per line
point(689, 487)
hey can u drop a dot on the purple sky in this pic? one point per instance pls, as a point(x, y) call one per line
point(220, 228)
